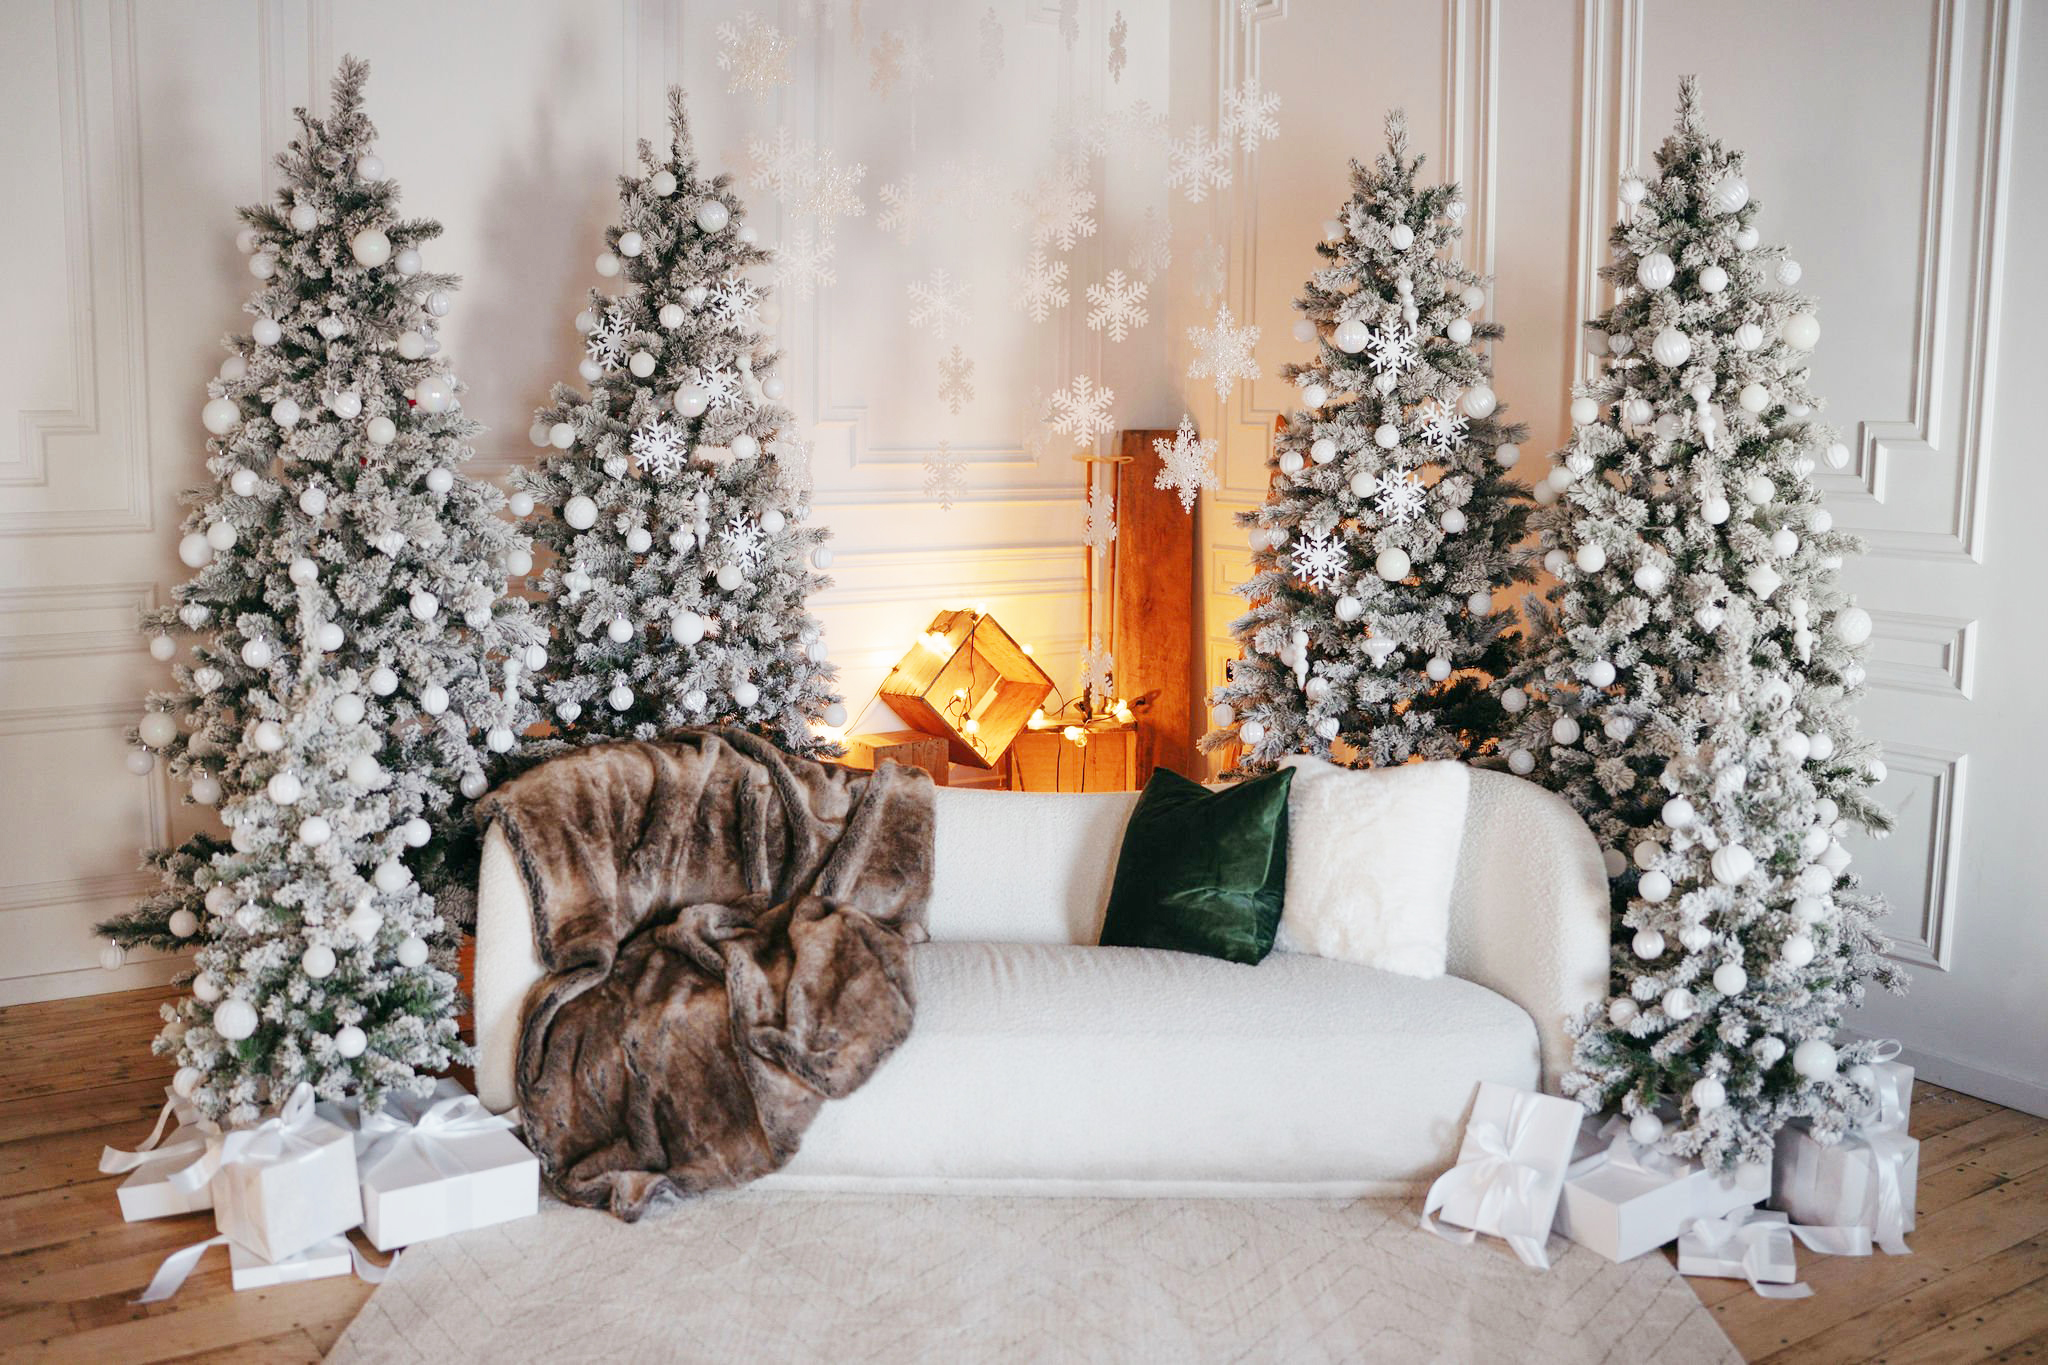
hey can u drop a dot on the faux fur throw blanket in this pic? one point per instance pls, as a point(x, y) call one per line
point(726, 933)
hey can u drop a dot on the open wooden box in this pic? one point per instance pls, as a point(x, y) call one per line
point(969, 682)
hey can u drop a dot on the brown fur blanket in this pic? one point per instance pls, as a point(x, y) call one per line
point(726, 933)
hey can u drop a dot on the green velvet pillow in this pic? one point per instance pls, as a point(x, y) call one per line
point(1201, 871)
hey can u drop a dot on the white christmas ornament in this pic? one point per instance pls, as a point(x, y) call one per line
point(1656, 271)
point(1392, 564)
point(1713, 280)
point(381, 430)
point(1672, 348)
point(1478, 401)
point(712, 215)
point(370, 247)
point(1708, 1094)
point(1801, 331)
point(1732, 863)
point(580, 513)
point(234, 1020)
point(1814, 1059)
point(220, 416)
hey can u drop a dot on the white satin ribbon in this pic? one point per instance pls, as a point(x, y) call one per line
point(1888, 1150)
point(1890, 1108)
point(1506, 1187)
point(114, 1161)
point(384, 1134)
point(279, 1135)
point(177, 1267)
point(1719, 1237)
point(1625, 1153)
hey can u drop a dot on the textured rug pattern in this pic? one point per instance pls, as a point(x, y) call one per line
point(787, 1277)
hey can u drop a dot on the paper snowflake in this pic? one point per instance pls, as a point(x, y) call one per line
point(1061, 207)
point(781, 167)
point(1212, 271)
point(938, 304)
point(944, 475)
point(1070, 22)
point(1444, 432)
point(904, 209)
point(1319, 561)
point(804, 263)
point(721, 385)
point(606, 343)
point(1041, 286)
point(968, 188)
point(831, 191)
point(1098, 670)
point(1186, 465)
point(1223, 353)
point(1117, 305)
point(956, 380)
point(1038, 436)
point(735, 302)
point(900, 60)
point(745, 543)
point(1248, 115)
point(1400, 498)
point(991, 42)
point(1195, 165)
point(659, 448)
point(1152, 251)
point(756, 54)
point(1118, 58)
point(1393, 349)
point(1081, 411)
point(1098, 523)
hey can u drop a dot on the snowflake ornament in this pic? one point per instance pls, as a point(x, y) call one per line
point(804, 264)
point(1318, 560)
point(1186, 465)
point(938, 304)
point(745, 543)
point(904, 209)
point(755, 53)
point(1098, 669)
point(1040, 286)
point(781, 166)
point(956, 380)
point(1038, 437)
point(735, 302)
point(1116, 305)
point(1400, 498)
point(1248, 115)
point(1195, 165)
point(1098, 524)
point(1212, 271)
point(1070, 22)
point(1444, 432)
point(944, 475)
point(1081, 411)
point(1061, 207)
point(1152, 252)
point(831, 191)
point(1393, 349)
point(721, 386)
point(607, 341)
point(659, 448)
point(1118, 58)
point(1223, 353)
point(806, 179)
point(968, 188)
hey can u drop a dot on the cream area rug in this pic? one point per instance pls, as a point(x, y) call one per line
point(793, 1277)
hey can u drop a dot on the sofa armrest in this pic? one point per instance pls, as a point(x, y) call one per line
point(507, 965)
point(1530, 910)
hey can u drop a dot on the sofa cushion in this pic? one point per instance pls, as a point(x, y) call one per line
point(1046, 1068)
point(1202, 871)
point(1024, 867)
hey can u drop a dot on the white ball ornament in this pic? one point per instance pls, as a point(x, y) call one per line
point(1473, 296)
point(1838, 456)
point(1656, 271)
point(1679, 1003)
point(412, 951)
point(365, 772)
point(268, 736)
point(1521, 762)
point(256, 653)
point(712, 215)
point(631, 243)
point(1585, 411)
point(1459, 332)
point(1852, 628)
point(425, 606)
point(263, 265)
point(1713, 280)
point(1314, 395)
point(416, 832)
point(407, 261)
point(434, 393)
point(1637, 412)
point(411, 345)
point(1729, 193)
point(1731, 863)
point(285, 789)
point(350, 1041)
point(1590, 559)
point(620, 697)
point(606, 265)
point(433, 699)
point(1251, 732)
point(370, 247)
point(1678, 813)
point(140, 762)
point(1479, 401)
point(315, 831)
point(1788, 272)
point(1730, 979)
point(580, 513)
point(1796, 951)
point(1402, 236)
point(205, 989)
point(221, 535)
point(1672, 347)
point(220, 416)
point(234, 1020)
point(158, 728)
point(1351, 336)
point(1650, 578)
point(1387, 436)
point(730, 576)
point(691, 401)
point(1600, 673)
point(1349, 608)
point(619, 630)
point(1654, 887)
point(1392, 564)
point(1565, 730)
point(1708, 1094)
point(745, 694)
point(266, 332)
point(1748, 337)
point(743, 447)
point(641, 364)
point(1633, 190)
point(1715, 509)
point(1814, 1059)
point(381, 430)
point(205, 790)
point(1438, 669)
point(317, 961)
point(1480, 604)
point(499, 739)
point(1290, 462)
point(1453, 520)
point(1801, 331)
point(1507, 455)
point(1754, 397)
point(1644, 1129)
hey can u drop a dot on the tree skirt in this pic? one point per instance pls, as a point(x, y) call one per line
point(790, 1277)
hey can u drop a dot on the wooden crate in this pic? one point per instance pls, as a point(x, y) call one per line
point(911, 748)
point(1047, 761)
point(970, 683)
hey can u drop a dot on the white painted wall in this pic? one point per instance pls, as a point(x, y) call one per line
point(1898, 154)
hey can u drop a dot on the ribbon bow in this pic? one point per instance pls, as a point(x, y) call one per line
point(1506, 1187)
point(1758, 1238)
point(282, 1133)
point(170, 1277)
point(1889, 1149)
point(1889, 1110)
point(1626, 1154)
point(383, 1135)
point(114, 1161)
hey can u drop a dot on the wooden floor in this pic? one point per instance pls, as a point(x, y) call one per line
point(75, 1075)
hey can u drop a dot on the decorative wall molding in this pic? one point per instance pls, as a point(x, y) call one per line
point(1929, 943)
point(155, 831)
point(1609, 139)
point(1935, 655)
point(32, 624)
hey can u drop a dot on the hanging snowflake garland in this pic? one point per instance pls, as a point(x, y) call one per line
point(1081, 411)
point(1098, 669)
point(1152, 251)
point(1186, 465)
point(1098, 523)
point(1195, 165)
point(804, 264)
point(736, 302)
point(755, 53)
point(1248, 115)
point(1061, 207)
point(956, 380)
point(938, 304)
point(1319, 561)
point(1117, 305)
point(659, 448)
point(1040, 286)
point(945, 474)
point(1223, 353)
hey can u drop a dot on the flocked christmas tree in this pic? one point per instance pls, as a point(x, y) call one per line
point(1689, 692)
point(1391, 521)
point(681, 555)
point(351, 641)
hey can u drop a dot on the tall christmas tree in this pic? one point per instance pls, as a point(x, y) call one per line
point(1391, 521)
point(351, 639)
point(681, 555)
point(1689, 693)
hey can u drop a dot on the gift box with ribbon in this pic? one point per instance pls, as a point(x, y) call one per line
point(439, 1163)
point(1867, 1180)
point(1621, 1199)
point(1510, 1170)
point(148, 1191)
point(283, 1185)
point(1892, 1080)
point(326, 1258)
point(1756, 1245)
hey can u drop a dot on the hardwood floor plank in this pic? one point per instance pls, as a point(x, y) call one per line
point(1913, 1309)
point(134, 1102)
point(2005, 1321)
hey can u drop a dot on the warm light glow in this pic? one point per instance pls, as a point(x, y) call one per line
point(981, 608)
point(1075, 736)
point(1037, 721)
point(959, 694)
point(937, 643)
point(972, 727)
point(1026, 648)
point(1123, 710)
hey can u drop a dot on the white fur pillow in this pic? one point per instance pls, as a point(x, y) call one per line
point(1371, 856)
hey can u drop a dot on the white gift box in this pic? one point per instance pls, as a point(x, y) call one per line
point(284, 1185)
point(148, 1191)
point(437, 1164)
point(1894, 1083)
point(321, 1261)
point(1622, 1200)
point(1867, 1180)
point(1756, 1245)
point(1510, 1170)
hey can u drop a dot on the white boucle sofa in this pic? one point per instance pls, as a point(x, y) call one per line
point(1041, 1063)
